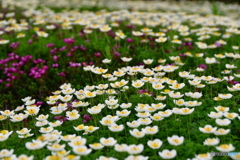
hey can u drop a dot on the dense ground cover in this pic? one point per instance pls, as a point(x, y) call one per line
point(100, 82)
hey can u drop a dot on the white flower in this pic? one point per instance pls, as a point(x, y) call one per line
point(151, 130)
point(116, 128)
point(96, 146)
point(25, 157)
point(56, 147)
point(46, 130)
point(175, 95)
point(126, 59)
point(215, 115)
point(66, 98)
point(167, 154)
point(135, 149)
point(161, 39)
point(210, 60)
point(230, 115)
point(156, 117)
point(192, 103)
point(108, 141)
point(106, 158)
point(120, 147)
point(225, 96)
point(208, 129)
point(32, 110)
point(126, 105)
point(211, 142)
point(158, 105)
point(223, 122)
point(222, 109)
point(185, 111)
point(68, 91)
point(138, 157)
point(175, 140)
point(221, 131)
point(204, 156)
point(177, 86)
point(133, 124)
point(148, 61)
point(105, 28)
point(225, 148)
point(137, 83)
point(35, 144)
point(136, 133)
point(145, 121)
point(42, 34)
point(6, 153)
point(165, 113)
point(111, 102)
point(77, 142)
point(7, 113)
point(72, 115)
point(157, 86)
point(23, 131)
point(106, 61)
point(123, 113)
point(42, 117)
point(179, 102)
point(82, 150)
point(155, 144)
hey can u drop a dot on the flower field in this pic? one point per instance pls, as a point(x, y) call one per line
point(119, 80)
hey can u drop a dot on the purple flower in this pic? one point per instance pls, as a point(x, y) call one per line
point(50, 45)
point(30, 41)
point(14, 44)
point(218, 44)
point(87, 117)
point(8, 85)
point(69, 40)
point(61, 118)
point(55, 65)
point(62, 74)
point(39, 103)
point(55, 58)
point(203, 66)
point(83, 48)
point(117, 54)
point(98, 54)
point(63, 48)
point(182, 55)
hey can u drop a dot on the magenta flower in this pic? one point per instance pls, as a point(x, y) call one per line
point(69, 40)
point(14, 44)
point(61, 118)
point(55, 65)
point(87, 118)
point(203, 66)
point(62, 74)
point(98, 54)
point(50, 45)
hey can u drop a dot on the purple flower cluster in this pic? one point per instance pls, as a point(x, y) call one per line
point(69, 40)
point(12, 67)
point(61, 118)
point(71, 64)
point(37, 72)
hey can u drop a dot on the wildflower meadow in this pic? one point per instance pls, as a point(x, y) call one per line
point(119, 80)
